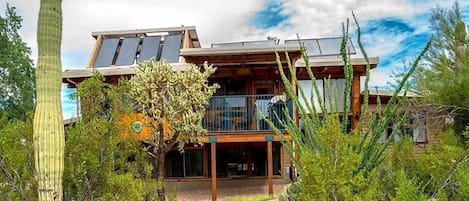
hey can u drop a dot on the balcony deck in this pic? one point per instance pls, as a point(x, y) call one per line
point(244, 113)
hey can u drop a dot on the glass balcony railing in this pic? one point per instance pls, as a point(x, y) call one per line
point(245, 112)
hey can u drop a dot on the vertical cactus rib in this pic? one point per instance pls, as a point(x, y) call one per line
point(48, 134)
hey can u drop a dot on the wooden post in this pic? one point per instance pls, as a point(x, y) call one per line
point(355, 100)
point(94, 52)
point(249, 157)
point(270, 169)
point(214, 171)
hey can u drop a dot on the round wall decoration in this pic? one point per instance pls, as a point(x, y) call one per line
point(137, 126)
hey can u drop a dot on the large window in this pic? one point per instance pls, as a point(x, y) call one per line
point(332, 94)
point(187, 164)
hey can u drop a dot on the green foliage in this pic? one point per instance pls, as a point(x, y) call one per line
point(327, 175)
point(100, 165)
point(90, 148)
point(16, 69)
point(407, 189)
point(126, 187)
point(439, 173)
point(444, 77)
point(444, 166)
point(16, 162)
point(333, 164)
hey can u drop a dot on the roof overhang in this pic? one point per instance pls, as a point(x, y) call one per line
point(239, 55)
point(72, 76)
point(385, 95)
point(331, 62)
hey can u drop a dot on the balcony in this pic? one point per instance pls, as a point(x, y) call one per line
point(237, 113)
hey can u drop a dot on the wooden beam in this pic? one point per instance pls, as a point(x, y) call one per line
point(355, 100)
point(270, 170)
point(214, 170)
point(186, 43)
point(94, 52)
point(142, 31)
point(243, 137)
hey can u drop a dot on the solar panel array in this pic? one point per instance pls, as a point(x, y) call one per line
point(315, 47)
point(127, 51)
point(323, 46)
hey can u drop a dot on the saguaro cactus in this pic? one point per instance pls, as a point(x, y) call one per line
point(48, 132)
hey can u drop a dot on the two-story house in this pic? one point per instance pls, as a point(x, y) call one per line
point(239, 143)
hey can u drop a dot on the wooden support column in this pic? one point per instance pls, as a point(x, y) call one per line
point(249, 157)
point(214, 170)
point(270, 168)
point(94, 52)
point(355, 100)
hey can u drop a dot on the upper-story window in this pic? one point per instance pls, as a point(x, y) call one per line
point(331, 95)
point(230, 87)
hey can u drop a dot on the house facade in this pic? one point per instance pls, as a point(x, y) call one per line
point(422, 125)
point(239, 143)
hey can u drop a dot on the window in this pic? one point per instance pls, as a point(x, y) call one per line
point(187, 164)
point(327, 94)
point(310, 94)
point(414, 128)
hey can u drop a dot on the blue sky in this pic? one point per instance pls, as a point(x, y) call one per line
point(393, 30)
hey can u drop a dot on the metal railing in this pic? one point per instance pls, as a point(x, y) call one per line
point(245, 112)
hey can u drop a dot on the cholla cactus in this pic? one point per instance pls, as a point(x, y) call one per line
point(48, 139)
point(173, 102)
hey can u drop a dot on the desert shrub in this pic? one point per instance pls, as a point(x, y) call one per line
point(444, 167)
point(17, 180)
point(407, 189)
point(439, 173)
point(327, 175)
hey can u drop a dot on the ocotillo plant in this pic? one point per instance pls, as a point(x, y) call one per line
point(48, 134)
point(306, 140)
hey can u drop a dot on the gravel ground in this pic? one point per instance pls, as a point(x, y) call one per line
point(200, 191)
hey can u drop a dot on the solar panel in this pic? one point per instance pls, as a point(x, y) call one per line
point(150, 48)
point(227, 45)
point(312, 47)
point(330, 46)
point(128, 51)
point(106, 52)
point(171, 48)
point(323, 46)
point(260, 43)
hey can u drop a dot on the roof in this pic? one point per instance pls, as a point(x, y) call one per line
point(389, 93)
point(110, 71)
point(328, 61)
point(120, 33)
point(242, 50)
